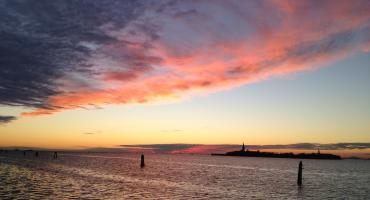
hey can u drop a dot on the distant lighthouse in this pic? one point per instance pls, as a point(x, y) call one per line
point(243, 147)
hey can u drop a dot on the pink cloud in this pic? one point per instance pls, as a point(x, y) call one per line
point(218, 45)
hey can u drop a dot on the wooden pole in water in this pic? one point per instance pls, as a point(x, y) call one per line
point(142, 164)
point(299, 181)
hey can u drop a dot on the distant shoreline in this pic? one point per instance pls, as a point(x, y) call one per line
point(248, 153)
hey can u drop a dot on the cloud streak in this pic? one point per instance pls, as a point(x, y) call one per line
point(82, 54)
point(6, 119)
point(207, 149)
point(91, 132)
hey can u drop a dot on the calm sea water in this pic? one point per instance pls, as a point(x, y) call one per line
point(118, 176)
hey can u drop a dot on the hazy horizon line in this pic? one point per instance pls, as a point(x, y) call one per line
point(171, 146)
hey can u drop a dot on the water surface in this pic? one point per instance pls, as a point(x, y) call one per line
point(118, 176)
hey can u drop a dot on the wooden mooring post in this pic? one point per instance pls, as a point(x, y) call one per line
point(142, 163)
point(300, 167)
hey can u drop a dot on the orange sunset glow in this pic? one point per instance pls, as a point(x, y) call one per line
point(190, 99)
point(188, 73)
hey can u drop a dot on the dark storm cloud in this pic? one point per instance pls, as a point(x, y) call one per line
point(41, 40)
point(6, 119)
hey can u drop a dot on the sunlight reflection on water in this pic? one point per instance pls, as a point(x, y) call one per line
point(118, 176)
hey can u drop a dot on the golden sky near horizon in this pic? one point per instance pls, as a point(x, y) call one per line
point(204, 72)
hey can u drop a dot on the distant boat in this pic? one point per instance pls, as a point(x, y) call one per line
point(248, 153)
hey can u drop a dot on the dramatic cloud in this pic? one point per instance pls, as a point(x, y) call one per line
point(43, 41)
point(57, 55)
point(6, 119)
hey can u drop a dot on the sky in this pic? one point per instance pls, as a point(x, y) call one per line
point(85, 74)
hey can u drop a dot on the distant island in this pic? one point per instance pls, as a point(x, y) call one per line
point(247, 153)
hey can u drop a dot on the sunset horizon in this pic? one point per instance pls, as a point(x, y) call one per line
point(128, 79)
point(199, 93)
point(346, 150)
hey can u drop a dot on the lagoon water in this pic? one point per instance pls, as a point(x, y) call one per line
point(118, 176)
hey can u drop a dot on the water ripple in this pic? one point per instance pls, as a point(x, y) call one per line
point(118, 176)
